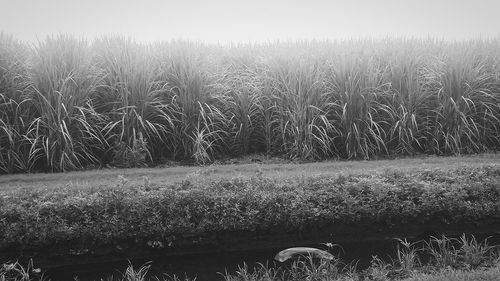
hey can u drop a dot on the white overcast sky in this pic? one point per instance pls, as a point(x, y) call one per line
point(251, 20)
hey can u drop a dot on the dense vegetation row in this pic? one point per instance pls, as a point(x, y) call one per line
point(66, 103)
point(197, 210)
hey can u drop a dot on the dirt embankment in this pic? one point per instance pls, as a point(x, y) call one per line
point(65, 254)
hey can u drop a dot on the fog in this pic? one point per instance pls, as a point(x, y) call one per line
point(251, 20)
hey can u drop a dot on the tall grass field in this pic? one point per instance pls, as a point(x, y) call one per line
point(68, 103)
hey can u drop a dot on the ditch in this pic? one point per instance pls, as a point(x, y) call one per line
point(209, 266)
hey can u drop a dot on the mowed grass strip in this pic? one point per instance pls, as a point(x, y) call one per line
point(201, 206)
point(274, 168)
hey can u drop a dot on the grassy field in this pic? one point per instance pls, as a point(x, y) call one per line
point(116, 212)
point(68, 104)
point(214, 206)
point(272, 168)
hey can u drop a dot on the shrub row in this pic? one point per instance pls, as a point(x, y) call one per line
point(198, 206)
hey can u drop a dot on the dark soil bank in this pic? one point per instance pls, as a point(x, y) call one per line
point(228, 250)
point(209, 266)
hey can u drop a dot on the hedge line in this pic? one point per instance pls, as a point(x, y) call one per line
point(199, 206)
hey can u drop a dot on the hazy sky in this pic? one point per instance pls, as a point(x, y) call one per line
point(251, 20)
